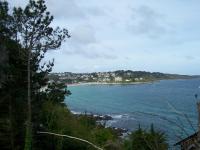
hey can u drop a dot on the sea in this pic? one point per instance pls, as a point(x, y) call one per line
point(170, 105)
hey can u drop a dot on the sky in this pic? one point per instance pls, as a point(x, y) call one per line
point(107, 35)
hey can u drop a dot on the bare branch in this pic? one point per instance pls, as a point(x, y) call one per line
point(182, 114)
point(71, 137)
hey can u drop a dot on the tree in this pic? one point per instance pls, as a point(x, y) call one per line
point(56, 92)
point(11, 84)
point(146, 140)
point(30, 28)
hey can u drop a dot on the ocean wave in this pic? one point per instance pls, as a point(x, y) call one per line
point(116, 116)
point(76, 112)
point(122, 116)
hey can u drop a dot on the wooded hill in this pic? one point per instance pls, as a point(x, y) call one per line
point(123, 76)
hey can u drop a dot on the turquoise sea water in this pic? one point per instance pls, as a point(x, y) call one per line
point(169, 104)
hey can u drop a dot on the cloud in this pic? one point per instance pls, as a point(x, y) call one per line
point(146, 21)
point(15, 3)
point(189, 57)
point(91, 51)
point(126, 34)
point(84, 43)
point(62, 9)
point(95, 11)
point(65, 9)
point(83, 34)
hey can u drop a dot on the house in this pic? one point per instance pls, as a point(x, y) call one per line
point(193, 141)
point(189, 143)
point(118, 79)
point(136, 79)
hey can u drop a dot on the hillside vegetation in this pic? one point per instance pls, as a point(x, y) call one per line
point(119, 76)
point(32, 118)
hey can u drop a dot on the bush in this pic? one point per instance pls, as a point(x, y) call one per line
point(58, 119)
point(146, 140)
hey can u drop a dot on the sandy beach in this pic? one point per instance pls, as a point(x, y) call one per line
point(106, 83)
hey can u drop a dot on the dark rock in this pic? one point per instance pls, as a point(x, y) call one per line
point(103, 117)
point(119, 131)
point(107, 117)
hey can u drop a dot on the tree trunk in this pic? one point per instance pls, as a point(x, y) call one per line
point(28, 138)
point(11, 123)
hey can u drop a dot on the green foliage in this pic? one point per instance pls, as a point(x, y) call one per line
point(13, 95)
point(58, 119)
point(56, 92)
point(146, 140)
point(34, 33)
point(103, 135)
point(25, 31)
point(28, 31)
point(116, 145)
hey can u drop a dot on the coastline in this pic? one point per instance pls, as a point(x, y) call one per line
point(122, 83)
point(101, 120)
point(112, 83)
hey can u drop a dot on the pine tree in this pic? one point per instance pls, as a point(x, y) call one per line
point(34, 33)
point(11, 66)
point(30, 30)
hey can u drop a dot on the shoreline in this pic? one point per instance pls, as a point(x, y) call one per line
point(120, 83)
point(112, 83)
point(101, 119)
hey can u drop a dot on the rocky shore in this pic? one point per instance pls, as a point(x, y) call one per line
point(102, 119)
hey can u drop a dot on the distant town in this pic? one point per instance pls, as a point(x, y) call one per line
point(119, 76)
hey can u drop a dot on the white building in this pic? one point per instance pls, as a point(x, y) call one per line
point(118, 79)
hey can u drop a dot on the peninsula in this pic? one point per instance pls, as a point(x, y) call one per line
point(114, 77)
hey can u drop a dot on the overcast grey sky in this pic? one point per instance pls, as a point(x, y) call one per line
point(150, 35)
